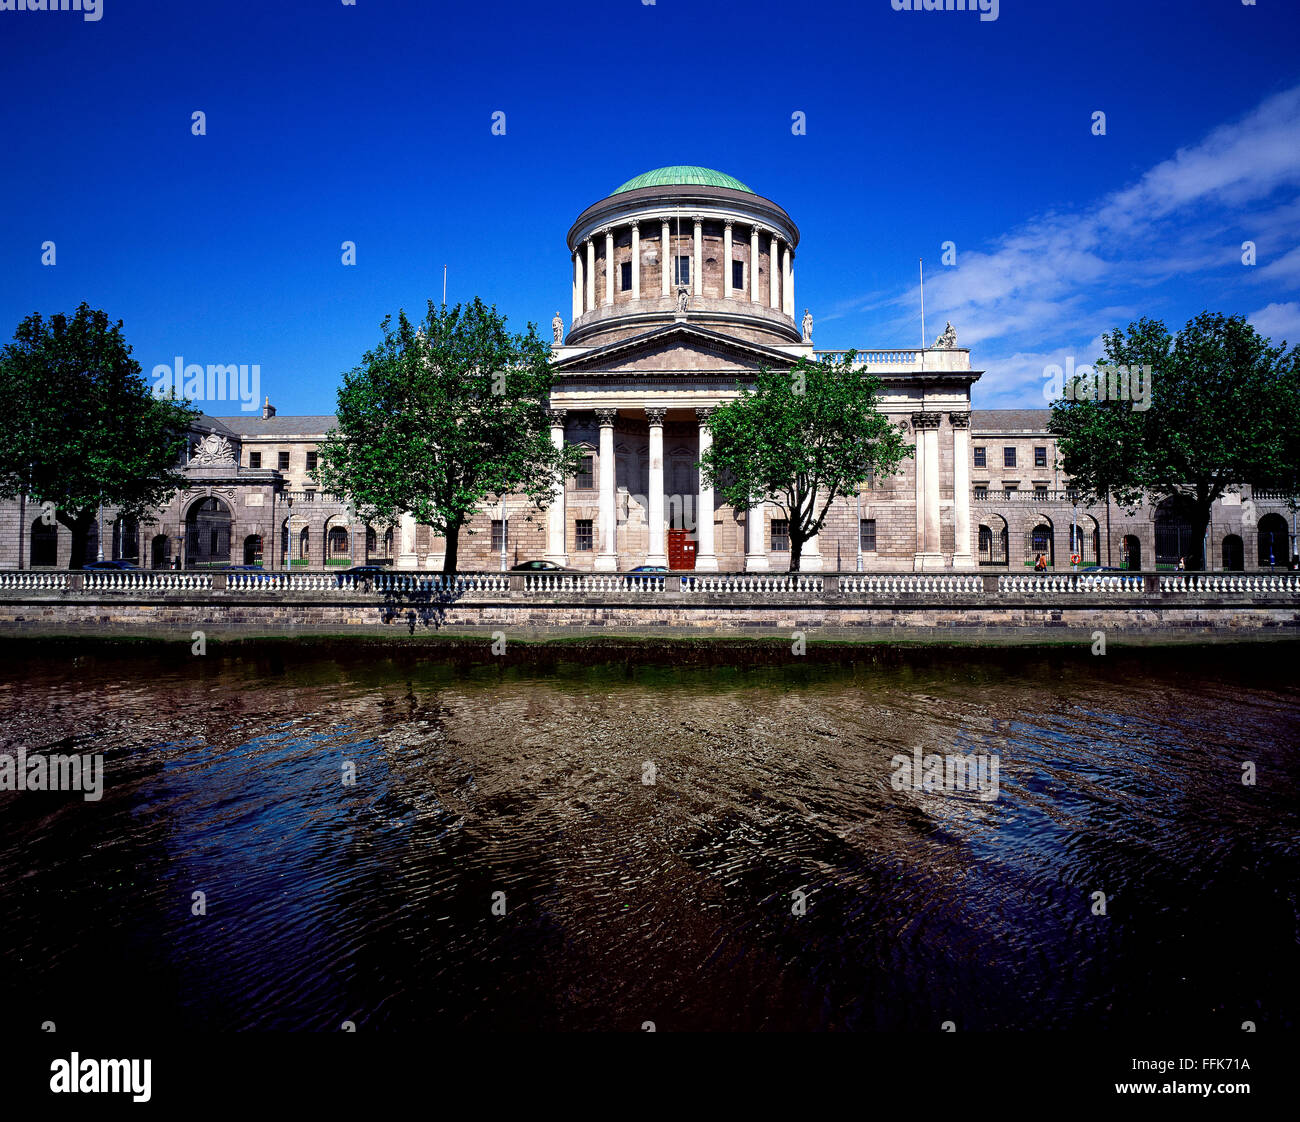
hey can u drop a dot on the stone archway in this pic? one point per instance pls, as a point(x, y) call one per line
point(994, 540)
point(1274, 542)
point(44, 547)
point(1234, 554)
point(1131, 553)
point(207, 533)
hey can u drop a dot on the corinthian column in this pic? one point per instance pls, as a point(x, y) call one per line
point(555, 522)
point(577, 285)
point(636, 261)
point(656, 554)
point(773, 273)
point(609, 264)
point(726, 261)
point(591, 275)
point(665, 259)
point(755, 529)
point(926, 427)
point(698, 266)
point(787, 286)
point(607, 558)
point(753, 264)
point(962, 557)
point(706, 561)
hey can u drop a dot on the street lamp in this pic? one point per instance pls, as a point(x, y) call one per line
point(100, 518)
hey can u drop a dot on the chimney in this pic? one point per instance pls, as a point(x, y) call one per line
point(268, 410)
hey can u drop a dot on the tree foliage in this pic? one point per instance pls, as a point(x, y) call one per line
point(79, 426)
point(442, 416)
point(801, 437)
point(1222, 413)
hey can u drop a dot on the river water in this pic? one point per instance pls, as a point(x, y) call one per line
point(503, 860)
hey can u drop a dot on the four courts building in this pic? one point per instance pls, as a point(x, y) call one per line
point(682, 287)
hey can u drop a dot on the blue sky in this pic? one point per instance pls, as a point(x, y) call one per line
point(371, 123)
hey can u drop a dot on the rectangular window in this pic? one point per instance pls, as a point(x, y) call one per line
point(284, 461)
point(255, 459)
point(981, 492)
point(867, 535)
point(1008, 457)
point(499, 534)
point(1040, 490)
point(625, 276)
point(738, 276)
point(582, 535)
point(683, 270)
point(1009, 490)
point(585, 480)
point(311, 461)
point(780, 535)
point(981, 460)
point(1040, 457)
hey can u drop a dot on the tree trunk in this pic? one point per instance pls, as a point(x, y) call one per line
point(452, 539)
point(796, 550)
point(1199, 516)
point(80, 530)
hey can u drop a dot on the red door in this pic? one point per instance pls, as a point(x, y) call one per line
point(681, 550)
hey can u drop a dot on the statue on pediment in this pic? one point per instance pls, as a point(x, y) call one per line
point(947, 340)
point(213, 450)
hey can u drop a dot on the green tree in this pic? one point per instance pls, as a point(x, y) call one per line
point(795, 438)
point(442, 416)
point(79, 427)
point(1222, 409)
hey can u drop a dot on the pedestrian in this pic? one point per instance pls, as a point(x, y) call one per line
point(1182, 564)
point(1295, 562)
point(1040, 563)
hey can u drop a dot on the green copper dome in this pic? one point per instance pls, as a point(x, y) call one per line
point(677, 176)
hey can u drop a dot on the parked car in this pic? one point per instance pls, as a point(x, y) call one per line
point(540, 567)
point(261, 573)
point(115, 566)
point(1102, 569)
point(650, 569)
point(361, 572)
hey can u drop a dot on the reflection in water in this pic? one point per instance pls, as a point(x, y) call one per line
point(672, 902)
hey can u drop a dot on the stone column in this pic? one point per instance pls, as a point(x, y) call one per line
point(773, 272)
point(656, 553)
point(756, 532)
point(636, 261)
point(926, 428)
point(787, 288)
point(753, 264)
point(609, 264)
point(406, 558)
point(555, 521)
point(726, 262)
point(577, 285)
point(591, 275)
point(665, 259)
point(698, 266)
point(607, 558)
point(962, 558)
point(706, 560)
point(811, 561)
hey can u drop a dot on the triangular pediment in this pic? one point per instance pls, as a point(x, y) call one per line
point(675, 348)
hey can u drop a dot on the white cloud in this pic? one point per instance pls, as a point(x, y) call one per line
point(1063, 275)
point(1278, 321)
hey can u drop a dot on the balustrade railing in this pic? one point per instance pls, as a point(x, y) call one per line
point(850, 585)
point(1049, 583)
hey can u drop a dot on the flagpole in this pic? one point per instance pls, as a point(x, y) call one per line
point(444, 286)
point(921, 265)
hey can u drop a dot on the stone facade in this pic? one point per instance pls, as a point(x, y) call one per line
point(649, 352)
